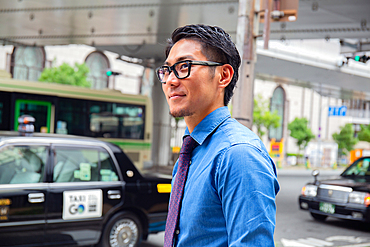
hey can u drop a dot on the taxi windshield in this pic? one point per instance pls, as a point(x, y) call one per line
point(359, 168)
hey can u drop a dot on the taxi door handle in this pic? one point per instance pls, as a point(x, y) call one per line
point(36, 197)
point(114, 194)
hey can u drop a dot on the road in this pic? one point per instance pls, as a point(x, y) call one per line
point(295, 227)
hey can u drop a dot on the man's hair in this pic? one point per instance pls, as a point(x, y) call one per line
point(217, 46)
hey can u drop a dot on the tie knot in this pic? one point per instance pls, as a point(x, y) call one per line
point(188, 145)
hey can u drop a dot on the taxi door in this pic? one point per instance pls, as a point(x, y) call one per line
point(85, 189)
point(22, 194)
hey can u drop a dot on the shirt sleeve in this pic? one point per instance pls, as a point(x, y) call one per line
point(247, 185)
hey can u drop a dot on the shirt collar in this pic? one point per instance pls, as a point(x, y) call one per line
point(208, 124)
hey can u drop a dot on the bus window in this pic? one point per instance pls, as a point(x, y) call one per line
point(71, 117)
point(1, 112)
point(40, 110)
point(4, 111)
point(114, 120)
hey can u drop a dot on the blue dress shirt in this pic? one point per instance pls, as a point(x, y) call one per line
point(229, 195)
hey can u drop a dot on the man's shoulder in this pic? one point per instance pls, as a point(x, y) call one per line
point(236, 133)
point(242, 144)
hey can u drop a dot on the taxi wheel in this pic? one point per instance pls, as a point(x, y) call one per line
point(319, 217)
point(122, 230)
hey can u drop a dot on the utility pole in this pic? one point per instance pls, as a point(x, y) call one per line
point(266, 27)
point(246, 34)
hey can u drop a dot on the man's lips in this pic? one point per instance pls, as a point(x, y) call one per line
point(176, 95)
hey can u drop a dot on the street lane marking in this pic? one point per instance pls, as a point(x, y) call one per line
point(306, 241)
point(319, 242)
point(357, 245)
point(292, 243)
point(350, 239)
point(314, 242)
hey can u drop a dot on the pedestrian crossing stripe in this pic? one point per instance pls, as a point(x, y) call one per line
point(314, 242)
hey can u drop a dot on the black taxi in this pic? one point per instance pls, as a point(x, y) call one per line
point(60, 190)
point(343, 197)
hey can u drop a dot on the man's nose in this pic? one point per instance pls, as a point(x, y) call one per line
point(172, 80)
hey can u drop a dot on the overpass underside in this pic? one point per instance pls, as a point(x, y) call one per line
point(330, 77)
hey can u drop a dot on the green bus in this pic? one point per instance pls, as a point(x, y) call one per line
point(123, 119)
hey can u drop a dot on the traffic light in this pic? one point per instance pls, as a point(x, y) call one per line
point(359, 58)
point(362, 58)
point(110, 72)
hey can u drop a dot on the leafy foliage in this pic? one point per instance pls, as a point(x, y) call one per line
point(345, 138)
point(66, 74)
point(364, 134)
point(299, 130)
point(263, 119)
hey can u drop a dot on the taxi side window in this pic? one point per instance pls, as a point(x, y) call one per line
point(22, 164)
point(83, 165)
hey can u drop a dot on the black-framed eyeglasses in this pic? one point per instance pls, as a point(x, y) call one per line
point(181, 69)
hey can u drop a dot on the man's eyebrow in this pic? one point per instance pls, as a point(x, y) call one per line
point(186, 57)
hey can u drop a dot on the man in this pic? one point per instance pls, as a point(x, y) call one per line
point(231, 184)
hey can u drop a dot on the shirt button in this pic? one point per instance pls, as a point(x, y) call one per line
point(190, 162)
point(177, 231)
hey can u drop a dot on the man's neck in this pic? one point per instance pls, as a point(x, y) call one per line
point(193, 120)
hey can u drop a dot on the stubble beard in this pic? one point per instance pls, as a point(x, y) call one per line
point(181, 113)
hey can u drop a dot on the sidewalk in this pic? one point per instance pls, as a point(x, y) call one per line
point(284, 171)
point(301, 170)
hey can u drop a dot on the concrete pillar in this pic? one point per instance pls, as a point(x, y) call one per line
point(161, 149)
point(161, 125)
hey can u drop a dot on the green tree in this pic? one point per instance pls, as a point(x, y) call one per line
point(364, 133)
point(263, 119)
point(299, 130)
point(345, 139)
point(66, 74)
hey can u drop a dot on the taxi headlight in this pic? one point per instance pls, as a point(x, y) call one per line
point(359, 197)
point(309, 190)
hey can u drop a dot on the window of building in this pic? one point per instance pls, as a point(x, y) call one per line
point(357, 129)
point(27, 62)
point(83, 165)
point(22, 164)
point(278, 105)
point(98, 64)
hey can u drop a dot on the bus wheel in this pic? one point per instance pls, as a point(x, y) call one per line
point(319, 217)
point(122, 230)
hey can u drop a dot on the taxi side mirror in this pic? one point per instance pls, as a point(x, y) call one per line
point(315, 173)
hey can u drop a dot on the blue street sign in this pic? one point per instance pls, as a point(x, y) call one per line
point(337, 110)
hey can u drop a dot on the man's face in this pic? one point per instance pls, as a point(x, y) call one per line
point(199, 94)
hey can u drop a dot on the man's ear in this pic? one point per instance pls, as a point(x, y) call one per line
point(226, 74)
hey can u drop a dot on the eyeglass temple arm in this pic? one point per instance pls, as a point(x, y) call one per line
point(206, 63)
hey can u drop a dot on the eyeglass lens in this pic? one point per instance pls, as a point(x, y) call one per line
point(180, 69)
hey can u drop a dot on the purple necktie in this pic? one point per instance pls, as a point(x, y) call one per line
point(178, 187)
